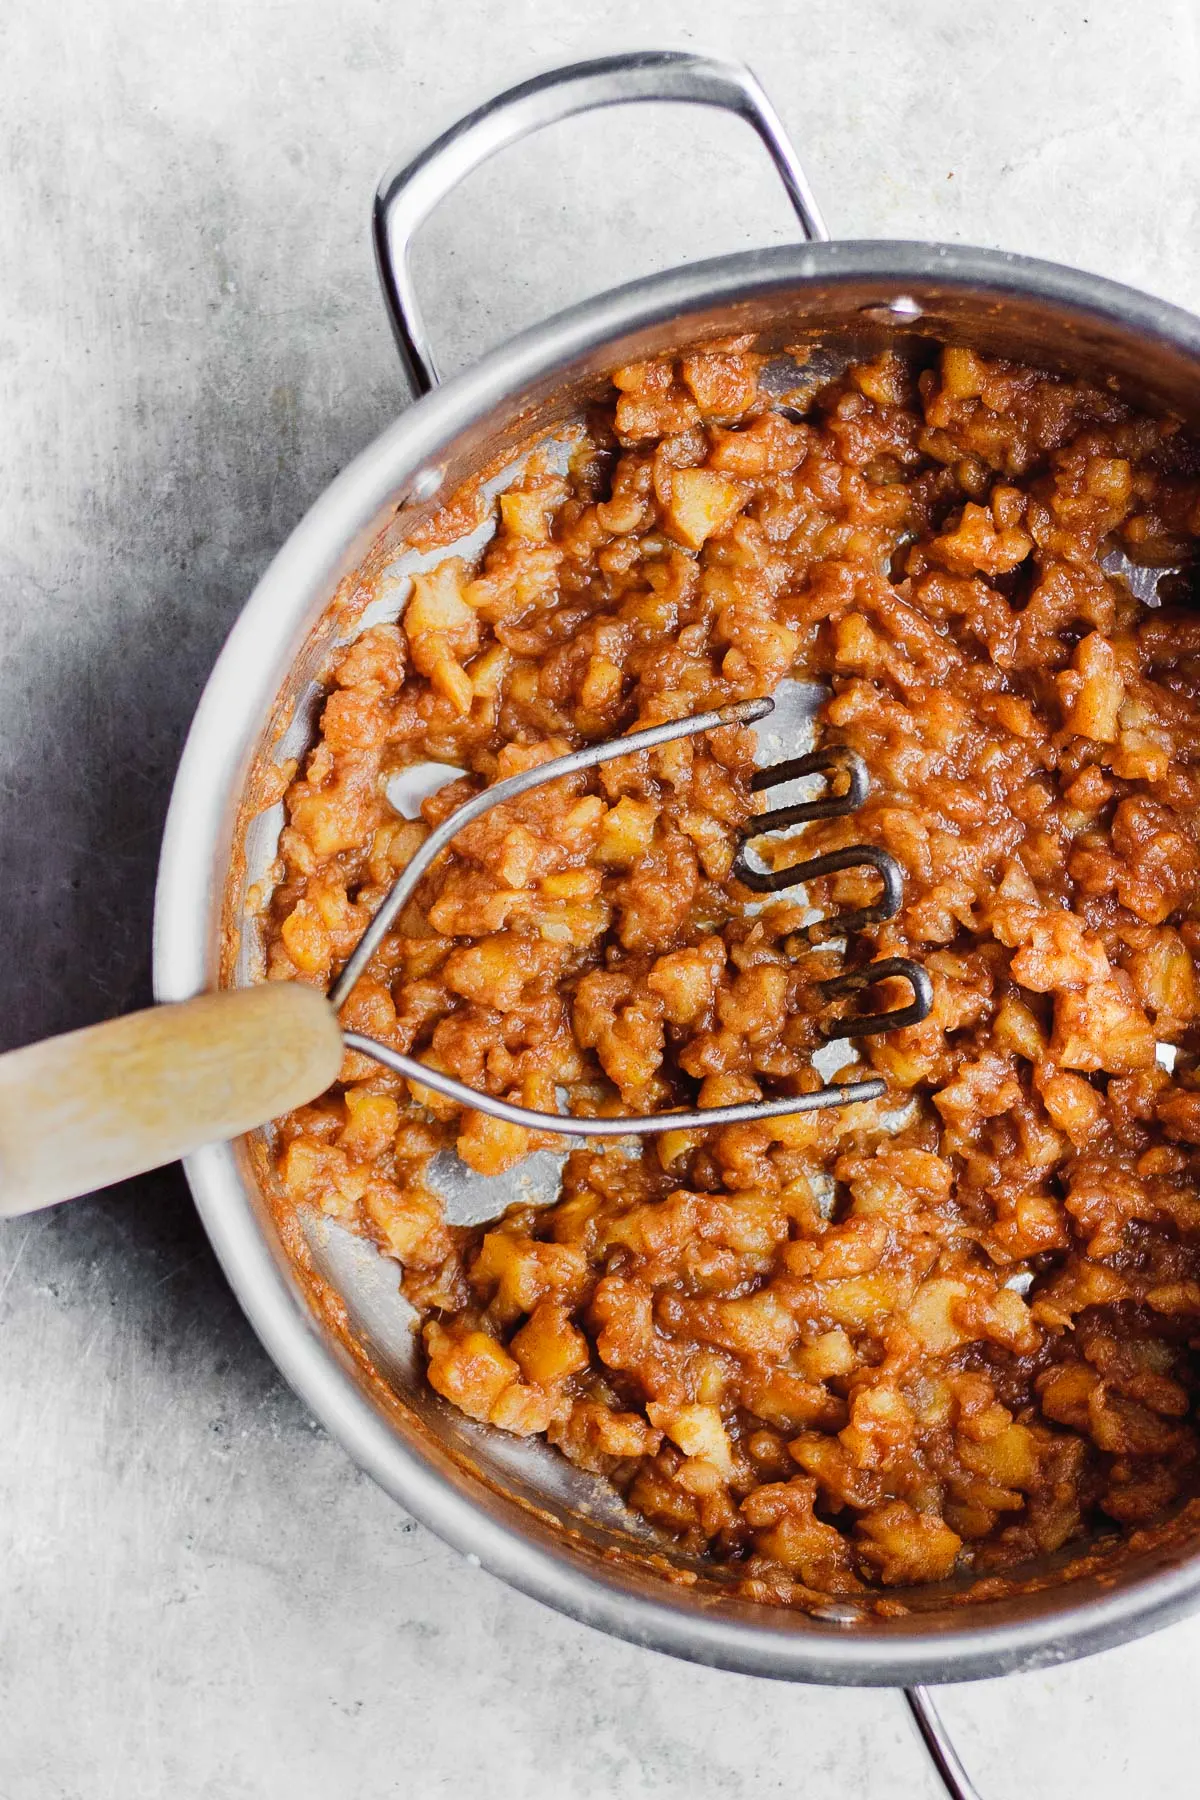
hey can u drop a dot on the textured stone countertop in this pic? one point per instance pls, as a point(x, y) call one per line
point(201, 1597)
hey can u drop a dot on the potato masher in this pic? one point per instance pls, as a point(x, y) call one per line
point(96, 1106)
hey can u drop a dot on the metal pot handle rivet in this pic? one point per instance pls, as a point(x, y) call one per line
point(407, 196)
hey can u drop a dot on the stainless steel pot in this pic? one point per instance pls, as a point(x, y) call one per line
point(517, 1508)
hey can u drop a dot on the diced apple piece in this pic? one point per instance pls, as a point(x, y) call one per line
point(471, 1370)
point(602, 683)
point(1101, 1028)
point(686, 980)
point(491, 1146)
point(306, 940)
point(626, 831)
point(1091, 690)
point(372, 1121)
point(964, 374)
point(548, 1347)
point(1011, 1458)
point(702, 505)
point(832, 1354)
point(932, 1314)
point(526, 515)
point(905, 1546)
point(698, 1431)
point(436, 603)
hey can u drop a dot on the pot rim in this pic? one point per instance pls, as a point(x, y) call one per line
point(234, 709)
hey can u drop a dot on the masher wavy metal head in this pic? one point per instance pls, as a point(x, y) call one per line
point(831, 761)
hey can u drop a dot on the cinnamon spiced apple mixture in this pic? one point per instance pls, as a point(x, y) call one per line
point(984, 1344)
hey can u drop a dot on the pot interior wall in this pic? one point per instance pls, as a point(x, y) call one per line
point(810, 332)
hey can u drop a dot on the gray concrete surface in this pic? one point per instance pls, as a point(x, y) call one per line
point(198, 1595)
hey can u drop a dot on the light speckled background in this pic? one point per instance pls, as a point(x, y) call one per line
point(198, 1595)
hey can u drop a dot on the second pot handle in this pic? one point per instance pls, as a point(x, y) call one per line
point(407, 196)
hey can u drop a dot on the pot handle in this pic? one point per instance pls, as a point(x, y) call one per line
point(407, 196)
